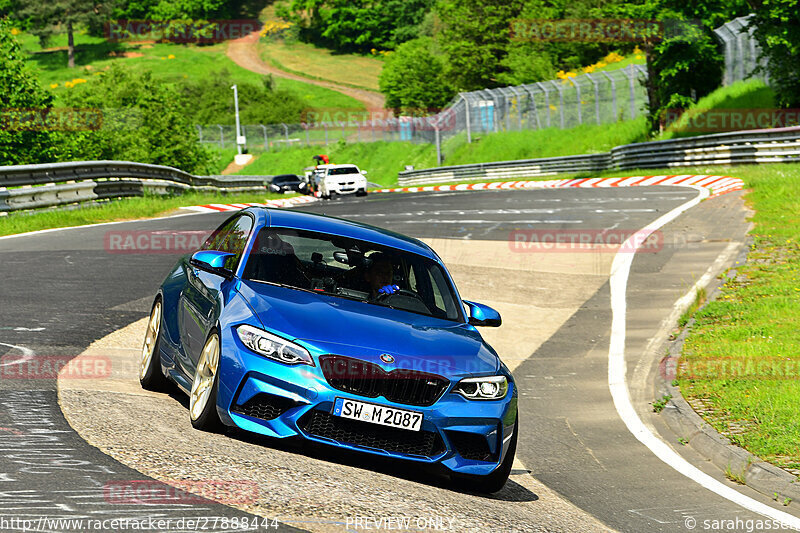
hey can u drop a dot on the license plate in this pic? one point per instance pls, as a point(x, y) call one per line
point(377, 414)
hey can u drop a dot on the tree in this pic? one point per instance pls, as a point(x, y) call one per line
point(20, 93)
point(46, 16)
point(414, 77)
point(777, 30)
point(474, 37)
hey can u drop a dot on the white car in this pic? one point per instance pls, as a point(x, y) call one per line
point(330, 180)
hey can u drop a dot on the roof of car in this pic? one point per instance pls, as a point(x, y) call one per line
point(346, 228)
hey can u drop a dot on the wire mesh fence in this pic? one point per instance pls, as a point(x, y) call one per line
point(742, 54)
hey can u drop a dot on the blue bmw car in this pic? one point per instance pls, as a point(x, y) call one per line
point(291, 324)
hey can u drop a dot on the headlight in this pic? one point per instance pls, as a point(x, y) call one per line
point(488, 388)
point(274, 347)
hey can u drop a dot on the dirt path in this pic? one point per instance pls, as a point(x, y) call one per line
point(244, 52)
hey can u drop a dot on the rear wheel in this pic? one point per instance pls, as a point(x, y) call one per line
point(203, 396)
point(497, 479)
point(150, 376)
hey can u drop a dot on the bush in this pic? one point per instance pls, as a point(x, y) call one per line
point(143, 120)
point(257, 104)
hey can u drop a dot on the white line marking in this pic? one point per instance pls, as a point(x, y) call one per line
point(617, 384)
point(27, 354)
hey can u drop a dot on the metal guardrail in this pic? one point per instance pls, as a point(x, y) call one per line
point(54, 184)
point(780, 145)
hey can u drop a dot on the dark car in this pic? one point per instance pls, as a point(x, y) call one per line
point(288, 183)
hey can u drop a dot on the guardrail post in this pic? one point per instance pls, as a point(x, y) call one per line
point(266, 139)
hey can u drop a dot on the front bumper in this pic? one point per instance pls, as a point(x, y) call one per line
point(269, 398)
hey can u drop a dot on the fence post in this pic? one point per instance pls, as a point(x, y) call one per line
point(308, 138)
point(286, 132)
point(200, 133)
point(438, 144)
point(580, 101)
point(467, 112)
point(221, 137)
point(519, 107)
point(532, 99)
point(613, 96)
point(632, 89)
point(560, 101)
point(546, 100)
point(266, 138)
point(596, 96)
point(325, 125)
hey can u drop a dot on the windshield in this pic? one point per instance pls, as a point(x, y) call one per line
point(342, 170)
point(354, 269)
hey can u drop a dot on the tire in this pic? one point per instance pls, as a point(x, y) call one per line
point(150, 375)
point(361, 192)
point(203, 396)
point(497, 479)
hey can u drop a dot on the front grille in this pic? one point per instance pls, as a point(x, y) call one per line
point(471, 446)
point(344, 430)
point(370, 380)
point(265, 406)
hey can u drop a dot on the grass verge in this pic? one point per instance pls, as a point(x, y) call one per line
point(123, 209)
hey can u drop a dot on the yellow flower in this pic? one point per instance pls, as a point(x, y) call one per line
point(76, 81)
point(15, 31)
point(554, 108)
point(589, 69)
point(69, 84)
point(373, 51)
point(600, 64)
point(639, 56)
point(53, 85)
point(613, 57)
point(637, 50)
point(171, 56)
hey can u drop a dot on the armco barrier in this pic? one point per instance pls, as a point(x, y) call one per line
point(780, 145)
point(54, 184)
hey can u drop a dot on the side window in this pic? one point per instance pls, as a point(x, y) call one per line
point(217, 237)
point(236, 239)
point(231, 237)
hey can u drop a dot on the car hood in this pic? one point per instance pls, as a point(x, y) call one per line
point(346, 327)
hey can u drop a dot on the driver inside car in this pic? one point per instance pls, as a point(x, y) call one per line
point(379, 274)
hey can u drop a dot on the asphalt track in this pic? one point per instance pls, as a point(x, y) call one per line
point(62, 290)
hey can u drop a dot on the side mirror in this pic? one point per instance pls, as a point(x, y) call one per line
point(364, 172)
point(212, 261)
point(483, 315)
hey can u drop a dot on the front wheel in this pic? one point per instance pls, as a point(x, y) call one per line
point(203, 397)
point(150, 376)
point(497, 479)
